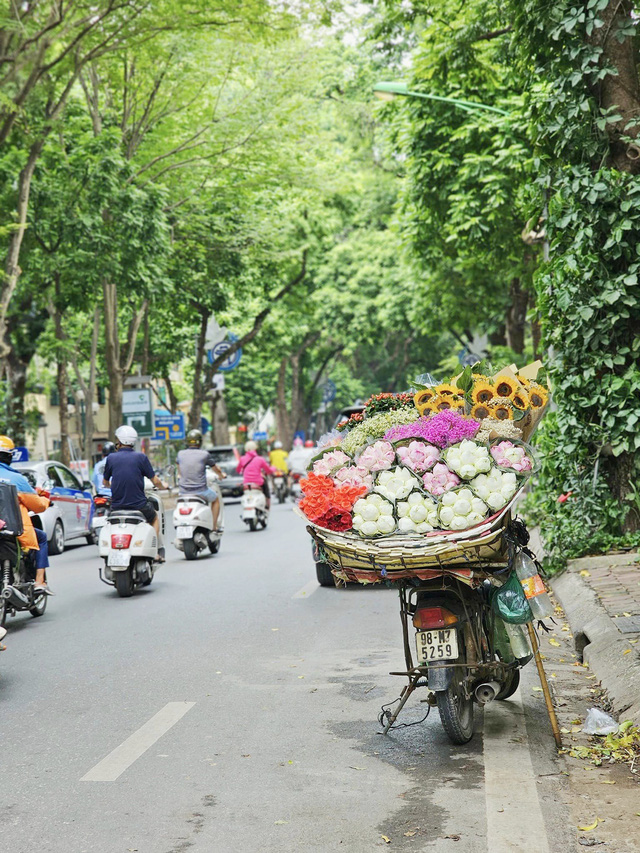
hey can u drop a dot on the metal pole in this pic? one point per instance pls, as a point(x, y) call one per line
point(545, 686)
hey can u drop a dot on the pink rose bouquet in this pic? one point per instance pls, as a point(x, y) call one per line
point(353, 475)
point(440, 479)
point(329, 462)
point(418, 456)
point(377, 456)
point(510, 455)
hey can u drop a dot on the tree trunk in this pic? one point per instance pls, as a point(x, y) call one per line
point(284, 430)
point(620, 473)
point(173, 399)
point(12, 267)
point(112, 354)
point(219, 419)
point(16, 372)
point(199, 386)
point(516, 315)
point(62, 384)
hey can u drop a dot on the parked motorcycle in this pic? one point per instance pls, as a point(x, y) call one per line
point(296, 489)
point(129, 546)
point(280, 488)
point(254, 507)
point(193, 522)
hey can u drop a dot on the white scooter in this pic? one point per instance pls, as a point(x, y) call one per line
point(193, 522)
point(130, 546)
point(254, 507)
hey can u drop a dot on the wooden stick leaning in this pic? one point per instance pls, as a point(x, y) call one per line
point(545, 686)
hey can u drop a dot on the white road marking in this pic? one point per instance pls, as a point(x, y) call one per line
point(138, 743)
point(514, 816)
point(307, 590)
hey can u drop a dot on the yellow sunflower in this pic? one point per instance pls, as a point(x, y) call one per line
point(520, 399)
point(538, 396)
point(458, 404)
point(482, 391)
point(446, 390)
point(423, 397)
point(506, 386)
point(501, 408)
point(480, 412)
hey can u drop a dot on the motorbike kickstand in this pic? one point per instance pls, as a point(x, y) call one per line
point(407, 690)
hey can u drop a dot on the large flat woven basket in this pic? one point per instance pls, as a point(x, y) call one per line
point(406, 556)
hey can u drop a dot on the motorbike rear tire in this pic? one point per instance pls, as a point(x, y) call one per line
point(456, 712)
point(511, 685)
point(323, 573)
point(124, 583)
point(190, 549)
point(253, 525)
point(40, 606)
point(92, 538)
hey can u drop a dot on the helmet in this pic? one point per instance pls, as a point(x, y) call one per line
point(309, 443)
point(107, 448)
point(126, 435)
point(297, 441)
point(250, 445)
point(194, 438)
point(277, 445)
point(6, 444)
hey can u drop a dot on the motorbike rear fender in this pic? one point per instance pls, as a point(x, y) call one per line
point(439, 677)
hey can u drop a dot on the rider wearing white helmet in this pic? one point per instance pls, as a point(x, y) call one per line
point(279, 459)
point(125, 471)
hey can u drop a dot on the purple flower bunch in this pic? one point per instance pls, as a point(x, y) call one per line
point(442, 430)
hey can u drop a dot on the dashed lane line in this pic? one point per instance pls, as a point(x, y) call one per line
point(123, 756)
point(307, 590)
point(514, 816)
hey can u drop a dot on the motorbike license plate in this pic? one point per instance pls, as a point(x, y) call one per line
point(439, 644)
point(119, 559)
point(184, 532)
point(249, 512)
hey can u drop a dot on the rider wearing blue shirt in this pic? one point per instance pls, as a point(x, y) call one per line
point(98, 472)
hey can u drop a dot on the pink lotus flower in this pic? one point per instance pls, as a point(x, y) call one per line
point(510, 455)
point(440, 479)
point(377, 456)
point(353, 475)
point(418, 456)
point(329, 462)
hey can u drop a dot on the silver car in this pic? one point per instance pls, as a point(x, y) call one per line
point(69, 516)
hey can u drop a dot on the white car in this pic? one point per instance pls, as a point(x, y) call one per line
point(69, 516)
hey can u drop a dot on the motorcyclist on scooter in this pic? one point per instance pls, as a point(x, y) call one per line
point(98, 472)
point(278, 458)
point(125, 472)
point(252, 466)
point(192, 465)
point(32, 539)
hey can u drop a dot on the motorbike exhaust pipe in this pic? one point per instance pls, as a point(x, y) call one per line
point(487, 692)
point(15, 597)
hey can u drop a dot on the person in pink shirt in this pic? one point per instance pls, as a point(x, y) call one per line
point(254, 469)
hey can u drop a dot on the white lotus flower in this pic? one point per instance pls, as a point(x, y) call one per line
point(460, 509)
point(419, 509)
point(396, 483)
point(373, 516)
point(495, 488)
point(468, 459)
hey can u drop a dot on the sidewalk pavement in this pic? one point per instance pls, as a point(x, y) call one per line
point(601, 598)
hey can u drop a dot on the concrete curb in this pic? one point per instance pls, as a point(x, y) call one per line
point(601, 643)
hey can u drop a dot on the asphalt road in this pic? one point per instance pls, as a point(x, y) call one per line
point(237, 702)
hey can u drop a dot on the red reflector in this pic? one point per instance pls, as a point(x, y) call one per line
point(120, 540)
point(185, 510)
point(428, 618)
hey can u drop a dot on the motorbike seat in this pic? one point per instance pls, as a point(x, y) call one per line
point(189, 498)
point(128, 516)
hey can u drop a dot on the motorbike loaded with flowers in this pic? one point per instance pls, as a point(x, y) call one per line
point(418, 491)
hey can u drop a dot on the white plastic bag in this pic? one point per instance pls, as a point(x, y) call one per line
point(597, 722)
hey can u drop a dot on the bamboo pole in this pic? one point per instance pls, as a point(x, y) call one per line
point(545, 686)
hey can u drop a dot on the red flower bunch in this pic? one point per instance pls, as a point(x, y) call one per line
point(387, 403)
point(326, 504)
point(354, 420)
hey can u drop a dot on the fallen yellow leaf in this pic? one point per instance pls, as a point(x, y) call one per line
point(410, 833)
point(553, 675)
point(386, 839)
point(627, 652)
point(537, 689)
point(626, 614)
point(590, 827)
point(585, 574)
point(282, 822)
point(576, 722)
point(554, 642)
point(607, 782)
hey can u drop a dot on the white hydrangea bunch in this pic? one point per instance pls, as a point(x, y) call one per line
point(468, 459)
point(396, 483)
point(373, 516)
point(460, 509)
point(418, 514)
point(495, 488)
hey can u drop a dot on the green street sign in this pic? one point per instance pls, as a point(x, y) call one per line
point(137, 411)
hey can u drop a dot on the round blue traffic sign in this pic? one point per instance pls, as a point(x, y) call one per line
point(219, 349)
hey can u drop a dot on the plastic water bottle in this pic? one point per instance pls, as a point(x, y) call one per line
point(533, 586)
point(519, 640)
